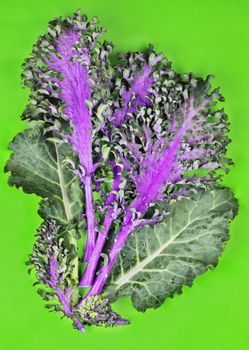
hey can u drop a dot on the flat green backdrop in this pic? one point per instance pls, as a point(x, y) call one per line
point(201, 36)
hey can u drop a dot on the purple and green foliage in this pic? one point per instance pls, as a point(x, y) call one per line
point(127, 157)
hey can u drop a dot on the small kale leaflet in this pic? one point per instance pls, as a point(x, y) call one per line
point(127, 158)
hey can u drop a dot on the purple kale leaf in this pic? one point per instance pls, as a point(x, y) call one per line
point(168, 147)
point(55, 265)
point(69, 74)
point(117, 145)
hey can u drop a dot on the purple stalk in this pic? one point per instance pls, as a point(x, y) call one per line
point(88, 276)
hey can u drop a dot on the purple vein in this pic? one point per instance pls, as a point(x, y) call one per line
point(64, 297)
point(138, 92)
point(75, 90)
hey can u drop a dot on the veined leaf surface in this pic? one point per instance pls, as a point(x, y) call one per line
point(37, 165)
point(158, 260)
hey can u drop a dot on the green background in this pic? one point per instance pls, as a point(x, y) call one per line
point(203, 36)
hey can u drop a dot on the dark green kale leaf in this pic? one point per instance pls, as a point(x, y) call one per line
point(40, 166)
point(157, 261)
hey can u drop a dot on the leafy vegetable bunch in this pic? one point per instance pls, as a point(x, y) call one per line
point(127, 156)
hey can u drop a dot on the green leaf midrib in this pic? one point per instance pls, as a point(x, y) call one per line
point(65, 199)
